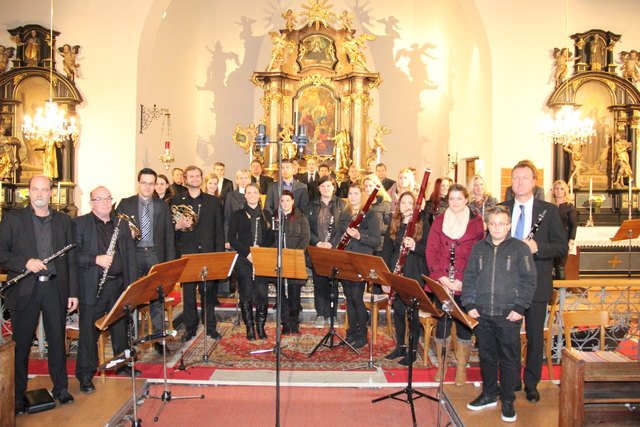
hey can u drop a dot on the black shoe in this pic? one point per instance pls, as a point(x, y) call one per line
point(213, 334)
point(158, 347)
point(508, 412)
point(481, 402)
point(286, 330)
point(360, 343)
point(86, 386)
point(532, 394)
point(397, 352)
point(63, 397)
point(518, 386)
point(126, 371)
point(188, 335)
point(21, 407)
point(405, 360)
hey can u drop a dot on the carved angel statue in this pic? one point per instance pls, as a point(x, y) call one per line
point(562, 56)
point(631, 68)
point(5, 54)
point(576, 153)
point(346, 19)
point(352, 48)
point(281, 45)
point(342, 150)
point(377, 139)
point(289, 19)
point(622, 166)
point(69, 62)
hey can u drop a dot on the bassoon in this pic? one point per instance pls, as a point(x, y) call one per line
point(411, 226)
point(358, 219)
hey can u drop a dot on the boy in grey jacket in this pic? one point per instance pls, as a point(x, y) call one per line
point(499, 282)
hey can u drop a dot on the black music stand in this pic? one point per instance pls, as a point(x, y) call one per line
point(203, 267)
point(265, 261)
point(132, 297)
point(411, 294)
point(629, 229)
point(370, 269)
point(335, 265)
point(451, 309)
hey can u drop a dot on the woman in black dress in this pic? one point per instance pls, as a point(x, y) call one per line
point(569, 217)
point(251, 226)
point(414, 266)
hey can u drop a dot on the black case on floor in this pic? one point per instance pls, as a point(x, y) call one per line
point(39, 400)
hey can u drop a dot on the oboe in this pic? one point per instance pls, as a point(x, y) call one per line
point(27, 272)
point(255, 243)
point(111, 250)
point(536, 226)
point(327, 237)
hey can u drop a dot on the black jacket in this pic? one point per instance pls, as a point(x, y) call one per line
point(208, 236)
point(499, 279)
point(300, 197)
point(369, 232)
point(296, 230)
point(416, 264)
point(89, 273)
point(18, 245)
point(241, 232)
point(264, 182)
point(337, 206)
point(163, 230)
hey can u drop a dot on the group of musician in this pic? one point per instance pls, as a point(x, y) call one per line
point(200, 214)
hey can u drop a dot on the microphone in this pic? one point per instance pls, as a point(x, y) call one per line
point(301, 139)
point(262, 139)
point(157, 335)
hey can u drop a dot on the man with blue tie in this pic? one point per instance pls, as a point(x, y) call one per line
point(548, 242)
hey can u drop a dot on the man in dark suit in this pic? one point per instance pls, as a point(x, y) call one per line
point(206, 236)
point(258, 177)
point(177, 176)
point(225, 186)
point(310, 178)
point(299, 190)
point(156, 242)
point(381, 171)
point(27, 236)
point(93, 234)
point(549, 242)
point(354, 175)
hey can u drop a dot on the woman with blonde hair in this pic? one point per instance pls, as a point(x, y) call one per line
point(210, 184)
point(481, 200)
point(569, 217)
point(406, 182)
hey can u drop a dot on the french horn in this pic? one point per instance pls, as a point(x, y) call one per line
point(185, 211)
point(133, 228)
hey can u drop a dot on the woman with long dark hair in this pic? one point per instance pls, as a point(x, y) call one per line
point(251, 226)
point(414, 266)
point(364, 239)
point(451, 238)
point(437, 202)
point(296, 236)
point(163, 190)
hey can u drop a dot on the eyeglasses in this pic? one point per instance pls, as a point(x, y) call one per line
point(498, 224)
point(147, 184)
point(102, 199)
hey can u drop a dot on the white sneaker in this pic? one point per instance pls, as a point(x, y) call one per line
point(319, 323)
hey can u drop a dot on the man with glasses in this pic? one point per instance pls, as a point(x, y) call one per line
point(27, 236)
point(156, 244)
point(548, 242)
point(93, 234)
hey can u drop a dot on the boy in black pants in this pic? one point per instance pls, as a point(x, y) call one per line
point(498, 287)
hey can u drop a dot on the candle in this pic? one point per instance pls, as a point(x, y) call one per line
point(630, 201)
point(590, 188)
point(571, 190)
point(167, 145)
point(58, 192)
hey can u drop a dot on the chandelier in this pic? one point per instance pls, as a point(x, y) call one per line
point(51, 124)
point(567, 127)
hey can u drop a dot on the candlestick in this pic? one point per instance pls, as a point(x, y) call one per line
point(58, 192)
point(590, 188)
point(571, 191)
point(630, 201)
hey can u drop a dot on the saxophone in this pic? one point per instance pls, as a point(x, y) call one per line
point(111, 250)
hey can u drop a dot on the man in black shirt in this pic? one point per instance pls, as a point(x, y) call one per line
point(27, 236)
point(207, 235)
point(93, 234)
point(258, 177)
point(177, 176)
point(381, 172)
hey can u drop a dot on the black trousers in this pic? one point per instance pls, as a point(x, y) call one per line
point(87, 360)
point(291, 306)
point(252, 290)
point(45, 299)
point(400, 311)
point(322, 296)
point(357, 312)
point(190, 308)
point(147, 258)
point(499, 347)
point(462, 331)
point(534, 327)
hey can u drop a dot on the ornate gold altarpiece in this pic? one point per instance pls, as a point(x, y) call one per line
point(317, 77)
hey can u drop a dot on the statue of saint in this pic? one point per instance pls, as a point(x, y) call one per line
point(576, 153)
point(352, 48)
point(342, 150)
point(622, 166)
point(32, 49)
point(280, 46)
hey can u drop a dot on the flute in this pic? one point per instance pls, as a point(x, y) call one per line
point(45, 261)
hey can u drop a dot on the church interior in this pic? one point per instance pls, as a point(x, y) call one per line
point(460, 88)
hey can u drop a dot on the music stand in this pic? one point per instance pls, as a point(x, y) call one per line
point(370, 268)
point(293, 267)
point(201, 267)
point(411, 294)
point(629, 229)
point(132, 297)
point(335, 265)
point(451, 309)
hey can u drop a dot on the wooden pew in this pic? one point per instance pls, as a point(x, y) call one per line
point(598, 388)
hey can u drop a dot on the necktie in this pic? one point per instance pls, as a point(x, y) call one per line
point(145, 223)
point(312, 177)
point(520, 226)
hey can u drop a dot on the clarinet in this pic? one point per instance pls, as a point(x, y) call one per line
point(327, 237)
point(111, 250)
point(355, 222)
point(27, 272)
point(452, 264)
point(536, 226)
